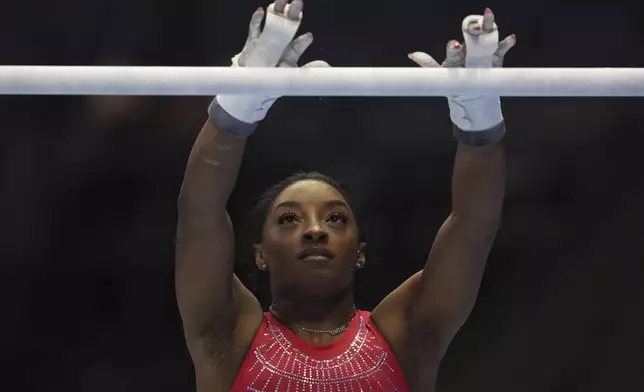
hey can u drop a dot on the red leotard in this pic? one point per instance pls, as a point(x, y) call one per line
point(360, 360)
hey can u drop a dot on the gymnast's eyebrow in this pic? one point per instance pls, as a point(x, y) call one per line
point(329, 203)
point(336, 203)
point(287, 204)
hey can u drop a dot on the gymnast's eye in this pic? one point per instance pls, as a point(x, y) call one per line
point(286, 218)
point(338, 217)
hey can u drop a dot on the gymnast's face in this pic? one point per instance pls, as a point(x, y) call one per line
point(310, 240)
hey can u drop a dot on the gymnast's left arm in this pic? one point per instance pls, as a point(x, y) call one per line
point(438, 300)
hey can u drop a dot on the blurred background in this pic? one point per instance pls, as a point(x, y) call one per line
point(89, 188)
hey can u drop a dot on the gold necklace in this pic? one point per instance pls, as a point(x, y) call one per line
point(332, 332)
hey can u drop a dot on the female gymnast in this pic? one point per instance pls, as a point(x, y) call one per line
point(309, 242)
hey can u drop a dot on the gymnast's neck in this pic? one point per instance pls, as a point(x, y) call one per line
point(320, 312)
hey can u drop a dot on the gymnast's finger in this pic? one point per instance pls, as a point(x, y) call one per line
point(254, 28)
point(423, 59)
point(505, 45)
point(317, 64)
point(295, 10)
point(296, 48)
point(279, 6)
point(300, 44)
point(473, 25)
point(454, 54)
point(488, 21)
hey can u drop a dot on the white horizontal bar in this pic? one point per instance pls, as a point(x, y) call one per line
point(526, 82)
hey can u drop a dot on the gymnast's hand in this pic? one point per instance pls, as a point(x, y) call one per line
point(480, 49)
point(274, 46)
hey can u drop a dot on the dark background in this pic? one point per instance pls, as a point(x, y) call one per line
point(89, 186)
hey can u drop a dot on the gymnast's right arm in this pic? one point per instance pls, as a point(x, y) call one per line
point(209, 296)
point(220, 316)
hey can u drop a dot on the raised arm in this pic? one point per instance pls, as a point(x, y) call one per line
point(212, 302)
point(432, 306)
point(205, 243)
point(450, 281)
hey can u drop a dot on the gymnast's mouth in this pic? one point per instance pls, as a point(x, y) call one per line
point(315, 253)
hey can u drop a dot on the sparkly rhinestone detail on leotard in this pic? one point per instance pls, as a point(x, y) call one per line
point(276, 364)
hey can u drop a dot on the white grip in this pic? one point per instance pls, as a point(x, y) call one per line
point(278, 33)
point(478, 112)
point(480, 47)
point(475, 113)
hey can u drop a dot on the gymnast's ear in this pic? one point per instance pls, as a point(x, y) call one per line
point(362, 258)
point(260, 261)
